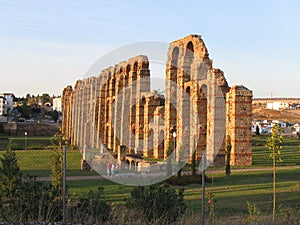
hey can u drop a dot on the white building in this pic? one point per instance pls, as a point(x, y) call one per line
point(57, 104)
point(3, 106)
point(277, 105)
point(9, 100)
point(296, 128)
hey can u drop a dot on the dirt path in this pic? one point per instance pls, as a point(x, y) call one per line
point(99, 177)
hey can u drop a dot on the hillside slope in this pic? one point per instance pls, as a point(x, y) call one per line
point(292, 116)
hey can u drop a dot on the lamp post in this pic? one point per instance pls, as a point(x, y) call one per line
point(174, 136)
point(25, 140)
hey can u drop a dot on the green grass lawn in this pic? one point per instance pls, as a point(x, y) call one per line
point(290, 152)
point(231, 193)
point(32, 143)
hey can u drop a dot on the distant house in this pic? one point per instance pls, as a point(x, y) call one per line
point(277, 105)
point(57, 104)
point(3, 106)
point(9, 97)
point(296, 128)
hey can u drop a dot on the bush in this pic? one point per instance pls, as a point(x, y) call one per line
point(90, 209)
point(186, 180)
point(157, 204)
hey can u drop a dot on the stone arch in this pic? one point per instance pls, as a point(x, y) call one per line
point(187, 121)
point(145, 65)
point(161, 144)
point(135, 66)
point(121, 70)
point(150, 143)
point(174, 64)
point(188, 59)
point(128, 68)
point(189, 49)
point(202, 120)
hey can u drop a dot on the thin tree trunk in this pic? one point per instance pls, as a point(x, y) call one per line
point(274, 189)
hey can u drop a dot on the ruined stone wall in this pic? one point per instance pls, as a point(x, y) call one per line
point(195, 99)
point(107, 110)
point(238, 123)
point(117, 109)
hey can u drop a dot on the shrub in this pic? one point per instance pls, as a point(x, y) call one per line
point(158, 204)
point(90, 209)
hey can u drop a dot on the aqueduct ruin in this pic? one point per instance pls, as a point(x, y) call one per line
point(117, 111)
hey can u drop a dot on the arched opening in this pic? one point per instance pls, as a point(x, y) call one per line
point(150, 143)
point(202, 121)
point(161, 144)
point(135, 67)
point(132, 167)
point(128, 68)
point(187, 123)
point(145, 65)
point(121, 70)
point(173, 87)
point(127, 164)
point(113, 85)
point(189, 49)
point(174, 64)
point(188, 59)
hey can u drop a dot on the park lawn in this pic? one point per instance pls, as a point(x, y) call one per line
point(32, 143)
point(231, 193)
point(39, 162)
point(290, 153)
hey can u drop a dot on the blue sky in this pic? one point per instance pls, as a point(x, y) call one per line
point(46, 45)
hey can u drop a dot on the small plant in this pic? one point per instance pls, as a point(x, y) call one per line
point(252, 211)
point(274, 144)
point(211, 206)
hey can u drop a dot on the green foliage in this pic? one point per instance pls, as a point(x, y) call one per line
point(169, 160)
point(211, 206)
point(59, 139)
point(257, 130)
point(194, 163)
point(91, 209)
point(228, 153)
point(252, 211)
point(1, 128)
point(157, 204)
point(45, 98)
point(54, 115)
point(10, 179)
point(24, 110)
point(57, 170)
point(25, 199)
point(274, 143)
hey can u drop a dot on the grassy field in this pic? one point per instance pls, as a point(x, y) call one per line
point(290, 152)
point(231, 193)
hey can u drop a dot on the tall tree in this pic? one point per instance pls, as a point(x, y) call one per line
point(274, 144)
point(228, 153)
point(10, 179)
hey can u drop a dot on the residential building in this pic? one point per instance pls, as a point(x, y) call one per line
point(3, 106)
point(9, 101)
point(277, 105)
point(57, 104)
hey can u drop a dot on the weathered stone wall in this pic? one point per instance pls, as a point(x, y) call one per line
point(238, 116)
point(117, 108)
